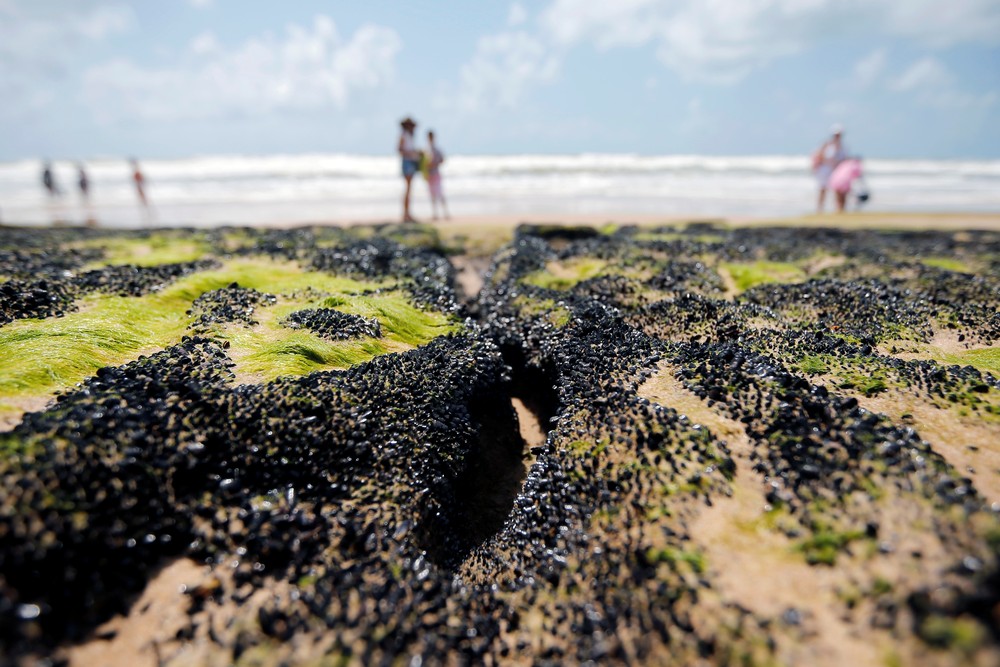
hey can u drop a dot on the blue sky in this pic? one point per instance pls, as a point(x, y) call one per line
point(172, 78)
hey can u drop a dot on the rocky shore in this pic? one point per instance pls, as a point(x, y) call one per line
point(266, 447)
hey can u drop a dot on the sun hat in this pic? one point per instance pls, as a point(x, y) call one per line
point(408, 122)
point(836, 128)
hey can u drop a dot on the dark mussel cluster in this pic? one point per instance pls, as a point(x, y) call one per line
point(391, 511)
point(333, 324)
point(23, 299)
point(54, 296)
point(428, 275)
point(355, 482)
point(91, 504)
point(817, 454)
point(130, 280)
point(227, 304)
point(17, 262)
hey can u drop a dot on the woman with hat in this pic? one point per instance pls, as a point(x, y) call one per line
point(411, 162)
point(825, 160)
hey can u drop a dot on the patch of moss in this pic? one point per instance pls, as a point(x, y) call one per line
point(824, 545)
point(557, 315)
point(946, 263)
point(750, 274)
point(881, 586)
point(44, 356)
point(812, 365)
point(962, 634)
point(985, 359)
point(400, 319)
point(565, 275)
point(270, 350)
point(672, 556)
point(158, 248)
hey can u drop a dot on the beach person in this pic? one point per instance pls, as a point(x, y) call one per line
point(49, 180)
point(843, 177)
point(432, 172)
point(411, 162)
point(83, 181)
point(140, 187)
point(825, 160)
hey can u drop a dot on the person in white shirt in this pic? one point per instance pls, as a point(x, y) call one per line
point(825, 160)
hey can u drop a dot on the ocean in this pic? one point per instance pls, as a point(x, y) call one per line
point(233, 189)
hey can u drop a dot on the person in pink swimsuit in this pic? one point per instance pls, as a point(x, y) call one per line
point(842, 178)
point(434, 159)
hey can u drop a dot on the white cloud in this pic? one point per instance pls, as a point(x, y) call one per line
point(933, 85)
point(201, 4)
point(517, 15)
point(308, 68)
point(924, 74)
point(940, 24)
point(503, 67)
point(204, 43)
point(43, 36)
point(40, 41)
point(869, 68)
point(723, 40)
point(717, 41)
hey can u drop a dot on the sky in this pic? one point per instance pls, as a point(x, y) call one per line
point(175, 78)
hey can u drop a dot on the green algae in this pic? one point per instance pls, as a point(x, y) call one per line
point(746, 275)
point(674, 557)
point(946, 263)
point(270, 350)
point(557, 314)
point(42, 357)
point(566, 274)
point(963, 633)
point(985, 359)
point(812, 364)
point(823, 547)
point(151, 250)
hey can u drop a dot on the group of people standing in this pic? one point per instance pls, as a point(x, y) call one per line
point(83, 182)
point(428, 162)
point(837, 171)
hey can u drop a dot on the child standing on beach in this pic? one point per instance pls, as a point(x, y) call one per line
point(433, 161)
point(843, 177)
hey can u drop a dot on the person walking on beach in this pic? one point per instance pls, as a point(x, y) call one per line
point(140, 188)
point(55, 205)
point(83, 181)
point(411, 162)
point(49, 180)
point(432, 164)
point(825, 160)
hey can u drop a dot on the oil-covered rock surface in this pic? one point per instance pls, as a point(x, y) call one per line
point(764, 446)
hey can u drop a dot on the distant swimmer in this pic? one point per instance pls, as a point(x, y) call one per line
point(825, 160)
point(432, 172)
